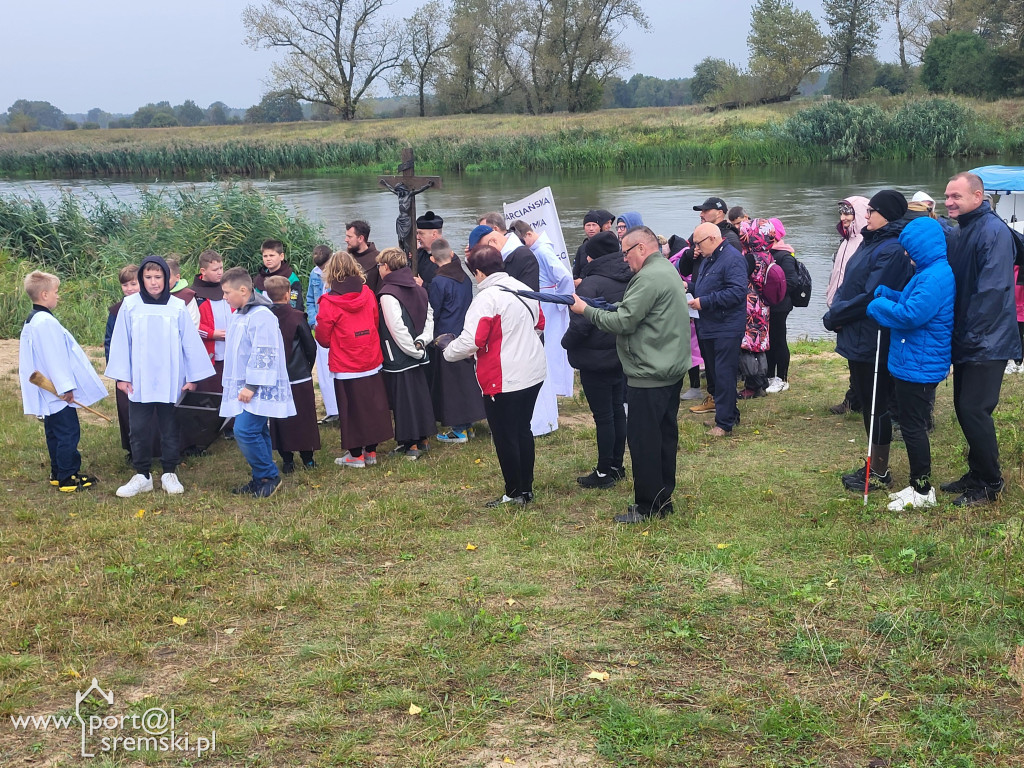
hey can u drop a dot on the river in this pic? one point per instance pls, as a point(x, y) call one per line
point(804, 197)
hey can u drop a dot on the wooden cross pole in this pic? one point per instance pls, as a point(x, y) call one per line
point(411, 185)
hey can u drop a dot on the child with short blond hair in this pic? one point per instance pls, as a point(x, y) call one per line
point(47, 347)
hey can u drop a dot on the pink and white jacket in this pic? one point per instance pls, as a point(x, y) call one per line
point(503, 331)
point(852, 238)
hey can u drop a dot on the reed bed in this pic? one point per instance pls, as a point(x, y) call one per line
point(616, 140)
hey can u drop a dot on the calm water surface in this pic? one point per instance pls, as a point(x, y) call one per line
point(803, 197)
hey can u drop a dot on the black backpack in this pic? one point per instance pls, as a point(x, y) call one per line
point(800, 290)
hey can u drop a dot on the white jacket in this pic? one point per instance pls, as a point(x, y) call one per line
point(503, 331)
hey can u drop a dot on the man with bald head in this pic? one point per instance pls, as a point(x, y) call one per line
point(720, 295)
point(652, 337)
point(981, 253)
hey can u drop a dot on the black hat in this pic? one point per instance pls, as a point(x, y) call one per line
point(429, 220)
point(592, 217)
point(890, 203)
point(712, 204)
point(604, 216)
point(603, 244)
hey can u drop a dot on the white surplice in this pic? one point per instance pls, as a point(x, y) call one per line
point(254, 354)
point(555, 277)
point(47, 346)
point(157, 348)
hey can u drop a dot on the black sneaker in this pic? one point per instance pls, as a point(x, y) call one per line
point(517, 501)
point(962, 485)
point(287, 467)
point(839, 410)
point(69, 485)
point(311, 464)
point(597, 480)
point(619, 473)
point(266, 487)
point(328, 419)
point(635, 515)
point(244, 490)
point(979, 494)
point(854, 481)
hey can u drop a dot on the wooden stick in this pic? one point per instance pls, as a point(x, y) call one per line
point(44, 383)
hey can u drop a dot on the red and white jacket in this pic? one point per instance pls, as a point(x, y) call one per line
point(503, 331)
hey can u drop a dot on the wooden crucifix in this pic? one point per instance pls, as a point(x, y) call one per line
point(406, 185)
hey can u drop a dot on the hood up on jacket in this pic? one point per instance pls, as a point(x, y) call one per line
point(165, 294)
point(630, 219)
point(256, 299)
point(925, 241)
point(860, 217)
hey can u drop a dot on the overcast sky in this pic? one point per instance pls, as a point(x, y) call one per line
point(121, 54)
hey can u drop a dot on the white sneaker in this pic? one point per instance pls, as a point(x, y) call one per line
point(909, 498)
point(170, 483)
point(1011, 367)
point(693, 393)
point(774, 385)
point(348, 460)
point(138, 484)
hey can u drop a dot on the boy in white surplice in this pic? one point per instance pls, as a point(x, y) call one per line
point(256, 386)
point(155, 355)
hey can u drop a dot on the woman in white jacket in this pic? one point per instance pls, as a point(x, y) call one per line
point(502, 331)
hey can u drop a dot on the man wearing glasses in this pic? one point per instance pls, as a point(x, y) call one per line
point(652, 339)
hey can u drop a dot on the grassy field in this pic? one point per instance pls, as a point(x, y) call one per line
point(675, 137)
point(383, 617)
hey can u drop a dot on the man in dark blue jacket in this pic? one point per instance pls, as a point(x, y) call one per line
point(720, 295)
point(985, 333)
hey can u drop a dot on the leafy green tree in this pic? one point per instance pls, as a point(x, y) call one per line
point(427, 32)
point(19, 122)
point(785, 46)
point(858, 79)
point(853, 34)
point(960, 62)
point(43, 113)
point(709, 76)
point(217, 113)
point(275, 107)
point(892, 78)
point(164, 120)
point(189, 113)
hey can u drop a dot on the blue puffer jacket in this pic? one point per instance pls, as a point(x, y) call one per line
point(880, 260)
point(921, 315)
point(985, 319)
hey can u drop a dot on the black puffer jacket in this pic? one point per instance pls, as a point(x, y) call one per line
point(588, 348)
point(981, 255)
point(880, 260)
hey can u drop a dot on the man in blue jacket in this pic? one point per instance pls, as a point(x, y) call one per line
point(720, 295)
point(985, 333)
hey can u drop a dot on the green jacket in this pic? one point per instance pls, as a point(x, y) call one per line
point(651, 325)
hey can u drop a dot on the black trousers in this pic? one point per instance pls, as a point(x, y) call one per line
point(140, 420)
point(778, 346)
point(62, 435)
point(975, 395)
point(915, 408)
point(606, 394)
point(508, 416)
point(722, 365)
point(851, 394)
point(863, 379)
point(652, 430)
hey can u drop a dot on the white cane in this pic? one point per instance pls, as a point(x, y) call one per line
point(871, 423)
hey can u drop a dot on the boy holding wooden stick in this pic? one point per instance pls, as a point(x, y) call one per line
point(47, 348)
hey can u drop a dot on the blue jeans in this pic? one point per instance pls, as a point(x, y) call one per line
point(252, 433)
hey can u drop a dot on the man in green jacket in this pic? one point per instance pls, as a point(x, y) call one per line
point(652, 329)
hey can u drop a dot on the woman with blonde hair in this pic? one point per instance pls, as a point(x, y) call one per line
point(347, 327)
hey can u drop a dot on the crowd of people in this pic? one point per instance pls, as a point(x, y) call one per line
point(420, 347)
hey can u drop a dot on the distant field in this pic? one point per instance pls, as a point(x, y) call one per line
point(625, 139)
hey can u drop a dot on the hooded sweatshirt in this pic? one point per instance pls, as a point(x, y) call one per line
point(852, 238)
point(921, 315)
point(630, 219)
point(347, 326)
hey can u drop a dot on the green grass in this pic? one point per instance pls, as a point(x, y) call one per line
point(772, 621)
point(676, 137)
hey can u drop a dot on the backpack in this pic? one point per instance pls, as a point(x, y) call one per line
point(800, 290)
point(774, 290)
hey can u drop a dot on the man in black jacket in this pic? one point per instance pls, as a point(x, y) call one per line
point(519, 259)
point(981, 253)
point(713, 211)
point(594, 222)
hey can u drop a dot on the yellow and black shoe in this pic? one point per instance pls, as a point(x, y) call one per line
point(84, 480)
point(69, 485)
point(53, 480)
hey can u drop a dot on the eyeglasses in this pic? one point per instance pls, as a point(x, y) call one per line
point(870, 211)
point(625, 253)
point(620, 226)
point(709, 237)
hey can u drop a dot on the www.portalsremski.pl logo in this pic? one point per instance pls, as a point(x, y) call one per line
point(155, 730)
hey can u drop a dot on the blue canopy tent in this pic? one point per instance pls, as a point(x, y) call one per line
point(1006, 183)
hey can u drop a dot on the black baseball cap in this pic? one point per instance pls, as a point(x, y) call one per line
point(712, 204)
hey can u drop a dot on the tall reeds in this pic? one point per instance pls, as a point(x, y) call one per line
point(830, 130)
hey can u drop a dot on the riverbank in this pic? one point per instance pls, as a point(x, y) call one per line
point(383, 617)
point(679, 137)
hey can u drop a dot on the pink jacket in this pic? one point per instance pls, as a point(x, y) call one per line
point(851, 242)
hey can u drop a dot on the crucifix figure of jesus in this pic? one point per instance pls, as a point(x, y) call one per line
point(406, 186)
